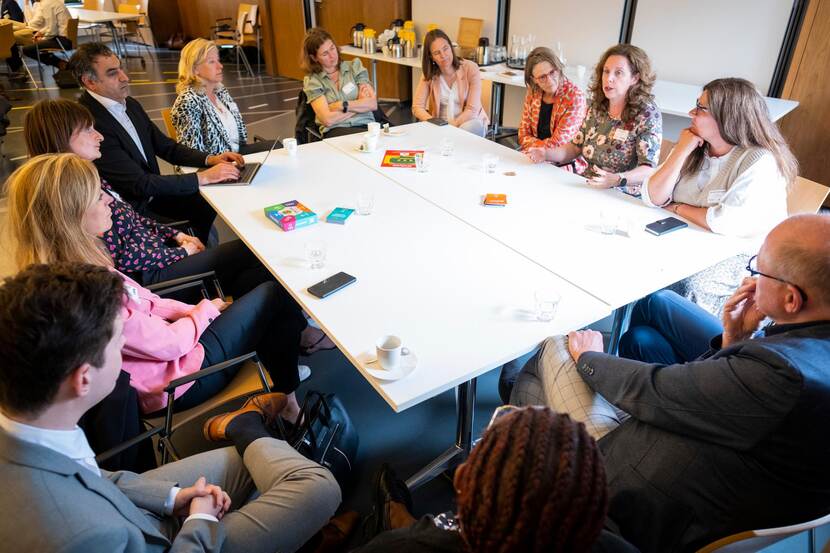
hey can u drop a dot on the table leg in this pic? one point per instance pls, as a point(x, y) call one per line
point(495, 107)
point(115, 42)
point(622, 316)
point(458, 452)
point(375, 75)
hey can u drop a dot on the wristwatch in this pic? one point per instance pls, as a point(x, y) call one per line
point(345, 106)
point(623, 181)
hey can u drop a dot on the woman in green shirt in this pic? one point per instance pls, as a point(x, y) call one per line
point(339, 91)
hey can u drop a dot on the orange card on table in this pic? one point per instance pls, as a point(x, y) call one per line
point(499, 200)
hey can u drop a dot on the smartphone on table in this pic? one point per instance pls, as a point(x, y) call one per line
point(330, 285)
point(665, 226)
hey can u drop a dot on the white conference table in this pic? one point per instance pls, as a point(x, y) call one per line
point(673, 98)
point(463, 302)
point(552, 216)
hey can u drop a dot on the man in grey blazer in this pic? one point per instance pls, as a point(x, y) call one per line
point(708, 429)
point(60, 353)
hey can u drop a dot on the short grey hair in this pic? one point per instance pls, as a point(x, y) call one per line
point(85, 55)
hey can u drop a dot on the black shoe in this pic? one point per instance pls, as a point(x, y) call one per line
point(388, 487)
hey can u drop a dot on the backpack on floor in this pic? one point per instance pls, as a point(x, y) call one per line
point(327, 435)
point(65, 79)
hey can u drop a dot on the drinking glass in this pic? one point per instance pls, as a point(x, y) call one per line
point(447, 147)
point(365, 202)
point(608, 222)
point(421, 162)
point(315, 253)
point(490, 163)
point(546, 303)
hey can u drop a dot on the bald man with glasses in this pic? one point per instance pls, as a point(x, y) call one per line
point(708, 427)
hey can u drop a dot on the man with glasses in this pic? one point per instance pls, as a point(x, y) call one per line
point(710, 428)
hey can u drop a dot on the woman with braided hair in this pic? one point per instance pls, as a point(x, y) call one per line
point(534, 483)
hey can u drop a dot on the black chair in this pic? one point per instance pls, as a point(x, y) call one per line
point(306, 129)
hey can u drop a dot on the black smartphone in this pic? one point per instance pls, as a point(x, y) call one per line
point(438, 121)
point(665, 226)
point(329, 286)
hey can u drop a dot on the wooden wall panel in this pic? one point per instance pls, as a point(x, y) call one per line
point(198, 16)
point(286, 24)
point(807, 128)
point(338, 16)
point(164, 17)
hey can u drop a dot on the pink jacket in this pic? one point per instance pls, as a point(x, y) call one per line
point(427, 99)
point(161, 342)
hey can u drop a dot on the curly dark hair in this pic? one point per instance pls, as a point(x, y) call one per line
point(53, 319)
point(534, 483)
point(639, 95)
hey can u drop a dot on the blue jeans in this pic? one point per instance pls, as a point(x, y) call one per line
point(667, 329)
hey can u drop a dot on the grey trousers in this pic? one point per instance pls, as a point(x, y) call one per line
point(296, 497)
point(550, 378)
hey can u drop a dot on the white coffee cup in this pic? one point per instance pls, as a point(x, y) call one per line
point(290, 145)
point(370, 142)
point(374, 128)
point(389, 352)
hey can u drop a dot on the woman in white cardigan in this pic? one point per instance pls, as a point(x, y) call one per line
point(728, 173)
point(204, 113)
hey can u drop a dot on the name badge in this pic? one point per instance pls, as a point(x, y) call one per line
point(132, 293)
point(348, 88)
point(620, 135)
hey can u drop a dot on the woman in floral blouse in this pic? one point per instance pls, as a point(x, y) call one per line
point(553, 110)
point(621, 134)
point(141, 247)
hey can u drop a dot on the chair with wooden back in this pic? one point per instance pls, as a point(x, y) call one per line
point(71, 34)
point(806, 196)
point(167, 115)
point(755, 540)
point(97, 5)
point(247, 24)
point(7, 42)
point(134, 28)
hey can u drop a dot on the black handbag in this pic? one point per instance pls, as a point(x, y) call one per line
point(327, 435)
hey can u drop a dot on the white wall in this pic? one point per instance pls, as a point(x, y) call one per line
point(585, 29)
point(695, 41)
point(446, 13)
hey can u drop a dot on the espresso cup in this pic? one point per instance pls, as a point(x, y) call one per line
point(374, 128)
point(370, 142)
point(290, 145)
point(389, 352)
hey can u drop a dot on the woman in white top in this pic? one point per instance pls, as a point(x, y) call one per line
point(204, 114)
point(728, 173)
point(450, 88)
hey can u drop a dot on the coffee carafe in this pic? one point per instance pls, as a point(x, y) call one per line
point(357, 35)
point(483, 51)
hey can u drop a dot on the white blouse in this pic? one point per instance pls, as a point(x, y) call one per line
point(450, 106)
point(229, 122)
point(749, 206)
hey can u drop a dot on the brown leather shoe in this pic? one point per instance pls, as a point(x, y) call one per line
point(269, 405)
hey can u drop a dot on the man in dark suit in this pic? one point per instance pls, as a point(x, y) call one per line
point(725, 431)
point(60, 353)
point(132, 142)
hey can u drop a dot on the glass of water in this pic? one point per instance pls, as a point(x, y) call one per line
point(365, 202)
point(546, 303)
point(421, 162)
point(447, 147)
point(490, 163)
point(608, 222)
point(315, 254)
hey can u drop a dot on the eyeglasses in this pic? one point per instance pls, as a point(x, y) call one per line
point(552, 76)
point(753, 271)
point(701, 108)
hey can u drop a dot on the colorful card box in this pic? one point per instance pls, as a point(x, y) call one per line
point(400, 158)
point(339, 215)
point(291, 215)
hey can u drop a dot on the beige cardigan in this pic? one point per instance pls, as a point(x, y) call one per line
point(427, 99)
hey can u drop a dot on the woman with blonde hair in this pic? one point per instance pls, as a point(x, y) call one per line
point(554, 107)
point(621, 134)
point(204, 113)
point(56, 212)
point(728, 173)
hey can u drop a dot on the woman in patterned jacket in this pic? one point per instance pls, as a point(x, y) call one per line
point(204, 114)
point(553, 110)
point(622, 131)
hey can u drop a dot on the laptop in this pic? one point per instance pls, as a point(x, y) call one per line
point(250, 170)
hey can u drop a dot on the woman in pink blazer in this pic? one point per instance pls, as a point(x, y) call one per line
point(57, 210)
point(450, 88)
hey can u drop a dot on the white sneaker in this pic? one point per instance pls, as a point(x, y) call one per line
point(304, 372)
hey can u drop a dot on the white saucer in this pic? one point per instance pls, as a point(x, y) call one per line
point(362, 151)
point(405, 368)
point(394, 133)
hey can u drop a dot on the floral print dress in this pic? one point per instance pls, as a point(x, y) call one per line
point(616, 146)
